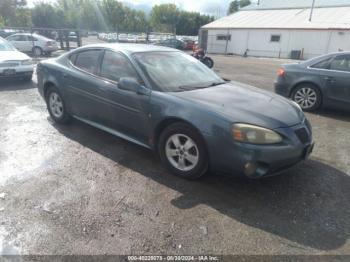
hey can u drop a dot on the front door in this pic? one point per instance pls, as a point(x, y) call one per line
point(126, 111)
point(19, 41)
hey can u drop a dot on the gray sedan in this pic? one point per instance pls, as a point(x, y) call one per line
point(322, 81)
point(168, 101)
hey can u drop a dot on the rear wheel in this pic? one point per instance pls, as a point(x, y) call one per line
point(183, 152)
point(56, 106)
point(308, 97)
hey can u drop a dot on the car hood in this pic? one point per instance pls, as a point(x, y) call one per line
point(246, 104)
point(12, 55)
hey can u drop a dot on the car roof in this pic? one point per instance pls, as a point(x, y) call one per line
point(130, 48)
point(323, 57)
point(29, 34)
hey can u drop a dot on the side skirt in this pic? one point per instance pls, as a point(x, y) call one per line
point(112, 131)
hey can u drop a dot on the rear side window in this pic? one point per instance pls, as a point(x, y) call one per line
point(115, 66)
point(72, 58)
point(341, 63)
point(31, 38)
point(323, 64)
point(88, 60)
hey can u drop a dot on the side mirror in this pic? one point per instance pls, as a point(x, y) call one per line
point(131, 84)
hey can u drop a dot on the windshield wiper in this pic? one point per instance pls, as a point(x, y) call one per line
point(190, 87)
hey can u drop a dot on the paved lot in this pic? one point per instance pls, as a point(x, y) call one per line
point(77, 190)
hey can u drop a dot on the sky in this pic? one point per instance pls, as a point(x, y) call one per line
point(217, 8)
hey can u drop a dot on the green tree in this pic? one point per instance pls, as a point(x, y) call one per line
point(190, 22)
point(243, 3)
point(114, 14)
point(22, 18)
point(236, 5)
point(46, 15)
point(2, 22)
point(164, 17)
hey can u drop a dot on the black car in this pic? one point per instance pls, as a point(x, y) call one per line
point(322, 81)
point(173, 43)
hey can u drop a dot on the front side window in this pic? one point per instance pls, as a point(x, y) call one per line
point(115, 66)
point(176, 71)
point(17, 38)
point(88, 60)
point(341, 63)
point(31, 38)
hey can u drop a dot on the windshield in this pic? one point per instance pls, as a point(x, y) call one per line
point(176, 71)
point(6, 46)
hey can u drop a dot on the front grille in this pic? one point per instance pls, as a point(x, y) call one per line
point(302, 134)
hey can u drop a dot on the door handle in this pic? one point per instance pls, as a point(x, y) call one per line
point(329, 79)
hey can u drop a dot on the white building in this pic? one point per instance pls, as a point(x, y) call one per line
point(275, 32)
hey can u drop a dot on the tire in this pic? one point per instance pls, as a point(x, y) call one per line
point(208, 62)
point(189, 163)
point(37, 51)
point(307, 96)
point(56, 106)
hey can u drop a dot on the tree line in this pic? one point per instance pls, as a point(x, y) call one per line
point(236, 5)
point(101, 15)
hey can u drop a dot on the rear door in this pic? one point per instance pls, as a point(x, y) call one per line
point(81, 85)
point(337, 79)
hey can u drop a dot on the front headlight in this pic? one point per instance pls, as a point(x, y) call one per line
point(245, 133)
point(28, 62)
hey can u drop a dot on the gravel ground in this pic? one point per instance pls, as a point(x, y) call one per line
point(77, 190)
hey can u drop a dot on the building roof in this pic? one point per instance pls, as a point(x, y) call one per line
point(280, 4)
point(323, 18)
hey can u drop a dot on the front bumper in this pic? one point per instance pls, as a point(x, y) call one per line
point(257, 161)
point(282, 89)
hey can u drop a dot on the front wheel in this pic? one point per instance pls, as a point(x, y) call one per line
point(183, 152)
point(56, 106)
point(308, 97)
point(208, 62)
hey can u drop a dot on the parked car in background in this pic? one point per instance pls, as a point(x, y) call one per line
point(14, 64)
point(173, 43)
point(168, 101)
point(72, 36)
point(7, 32)
point(322, 81)
point(34, 43)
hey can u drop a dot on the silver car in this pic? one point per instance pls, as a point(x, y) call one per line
point(14, 63)
point(37, 44)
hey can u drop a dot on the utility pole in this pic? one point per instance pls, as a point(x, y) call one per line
point(312, 10)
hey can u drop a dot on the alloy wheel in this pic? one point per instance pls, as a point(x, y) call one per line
point(56, 105)
point(182, 152)
point(306, 97)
